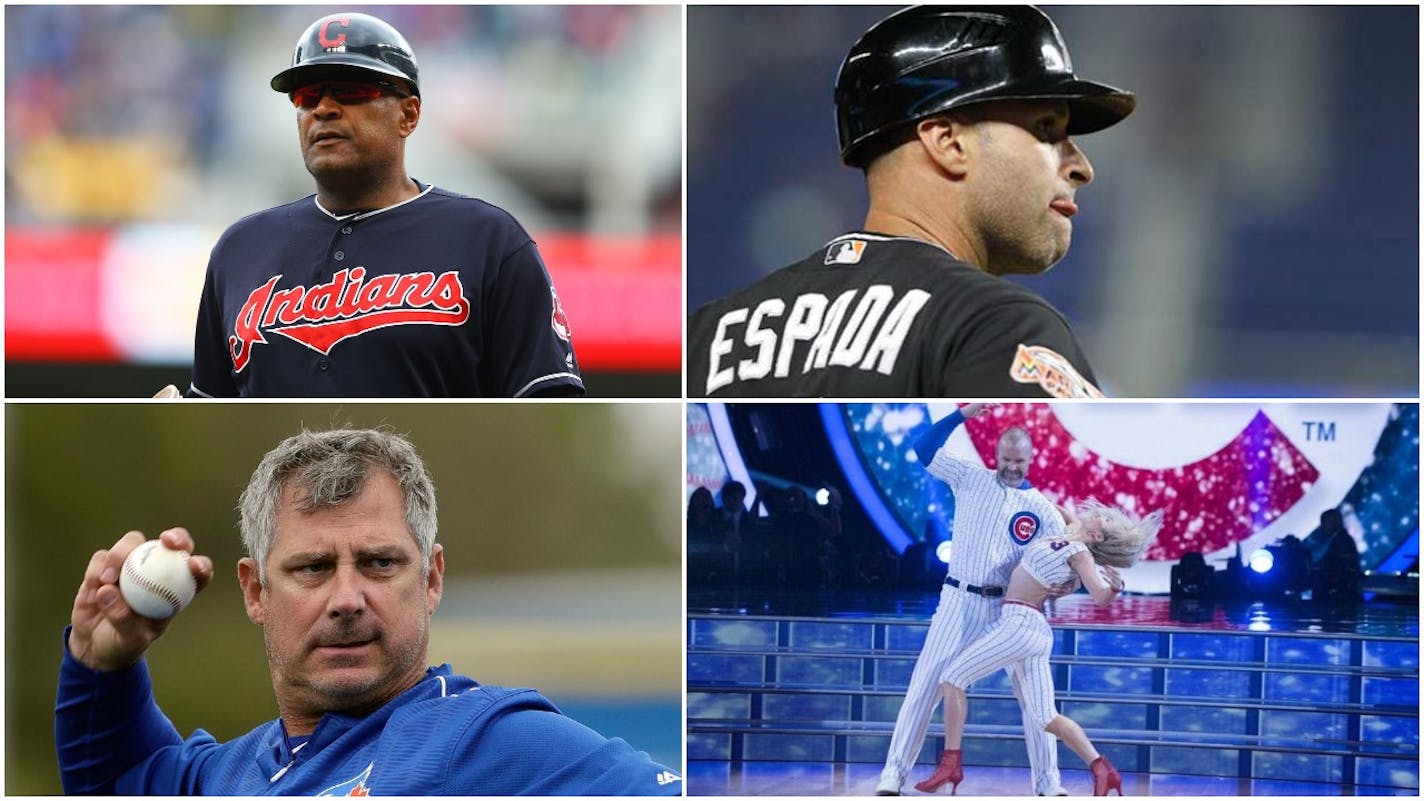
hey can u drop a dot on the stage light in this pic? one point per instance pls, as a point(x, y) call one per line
point(1262, 560)
point(823, 496)
point(942, 552)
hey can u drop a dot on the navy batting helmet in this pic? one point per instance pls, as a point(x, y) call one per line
point(347, 41)
point(927, 60)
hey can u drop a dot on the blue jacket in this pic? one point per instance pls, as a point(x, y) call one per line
point(447, 735)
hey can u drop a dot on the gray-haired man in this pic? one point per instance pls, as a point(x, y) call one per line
point(342, 574)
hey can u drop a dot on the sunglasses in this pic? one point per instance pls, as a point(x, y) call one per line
point(343, 92)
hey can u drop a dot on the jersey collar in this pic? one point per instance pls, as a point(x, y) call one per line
point(424, 190)
point(276, 758)
point(869, 237)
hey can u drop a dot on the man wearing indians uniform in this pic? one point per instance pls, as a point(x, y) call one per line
point(378, 285)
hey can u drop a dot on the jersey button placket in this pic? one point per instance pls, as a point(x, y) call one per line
point(323, 364)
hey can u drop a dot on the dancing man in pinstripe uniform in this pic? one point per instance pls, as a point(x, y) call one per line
point(996, 514)
point(1104, 538)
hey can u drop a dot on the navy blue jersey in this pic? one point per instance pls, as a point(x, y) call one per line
point(442, 295)
point(447, 735)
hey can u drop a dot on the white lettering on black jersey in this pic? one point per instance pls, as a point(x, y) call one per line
point(869, 338)
point(879, 316)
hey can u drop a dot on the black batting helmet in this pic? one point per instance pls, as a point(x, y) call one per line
point(347, 41)
point(927, 60)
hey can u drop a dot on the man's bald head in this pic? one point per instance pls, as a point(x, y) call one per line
point(1015, 435)
point(1014, 454)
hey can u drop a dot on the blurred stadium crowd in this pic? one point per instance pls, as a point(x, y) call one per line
point(569, 116)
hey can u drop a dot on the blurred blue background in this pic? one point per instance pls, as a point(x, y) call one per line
point(1253, 229)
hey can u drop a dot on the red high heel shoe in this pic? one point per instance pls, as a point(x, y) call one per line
point(1105, 777)
point(950, 769)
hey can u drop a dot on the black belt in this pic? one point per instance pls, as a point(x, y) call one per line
point(987, 592)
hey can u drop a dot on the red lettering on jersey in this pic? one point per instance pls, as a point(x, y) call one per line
point(248, 329)
point(347, 305)
point(285, 307)
point(415, 289)
point(340, 40)
point(320, 303)
point(447, 289)
point(344, 307)
point(378, 293)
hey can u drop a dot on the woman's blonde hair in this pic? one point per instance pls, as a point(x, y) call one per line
point(1125, 539)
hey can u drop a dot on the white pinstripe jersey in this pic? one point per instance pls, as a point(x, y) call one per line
point(1047, 560)
point(992, 523)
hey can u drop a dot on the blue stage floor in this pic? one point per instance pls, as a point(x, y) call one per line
point(794, 692)
point(820, 779)
point(1378, 619)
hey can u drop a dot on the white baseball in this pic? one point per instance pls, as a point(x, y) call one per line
point(156, 581)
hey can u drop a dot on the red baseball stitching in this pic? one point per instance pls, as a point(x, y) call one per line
point(131, 570)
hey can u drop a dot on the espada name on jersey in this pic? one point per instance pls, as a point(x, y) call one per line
point(346, 306)
point(859, 329)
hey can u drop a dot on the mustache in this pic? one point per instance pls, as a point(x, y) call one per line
point(346, 632)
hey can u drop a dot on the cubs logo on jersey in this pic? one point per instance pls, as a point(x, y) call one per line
point(1023, 526)
point(348, 305)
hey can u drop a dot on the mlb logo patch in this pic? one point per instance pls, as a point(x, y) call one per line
point(1023, 526)
point(848, 252)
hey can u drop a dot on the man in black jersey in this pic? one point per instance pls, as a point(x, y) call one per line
point(961, 118)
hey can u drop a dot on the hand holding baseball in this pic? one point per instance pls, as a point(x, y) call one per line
point(107, 633)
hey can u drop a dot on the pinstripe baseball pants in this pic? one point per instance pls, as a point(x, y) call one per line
point(1022, 642)
point(960, 619)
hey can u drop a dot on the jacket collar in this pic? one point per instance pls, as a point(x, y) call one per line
point(275, 757)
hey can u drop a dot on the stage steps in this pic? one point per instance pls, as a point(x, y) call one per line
point(1316, 706)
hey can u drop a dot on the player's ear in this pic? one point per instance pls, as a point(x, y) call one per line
point(435, 582)
point(945, 141)
point(410, 115)
point(251, 590)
